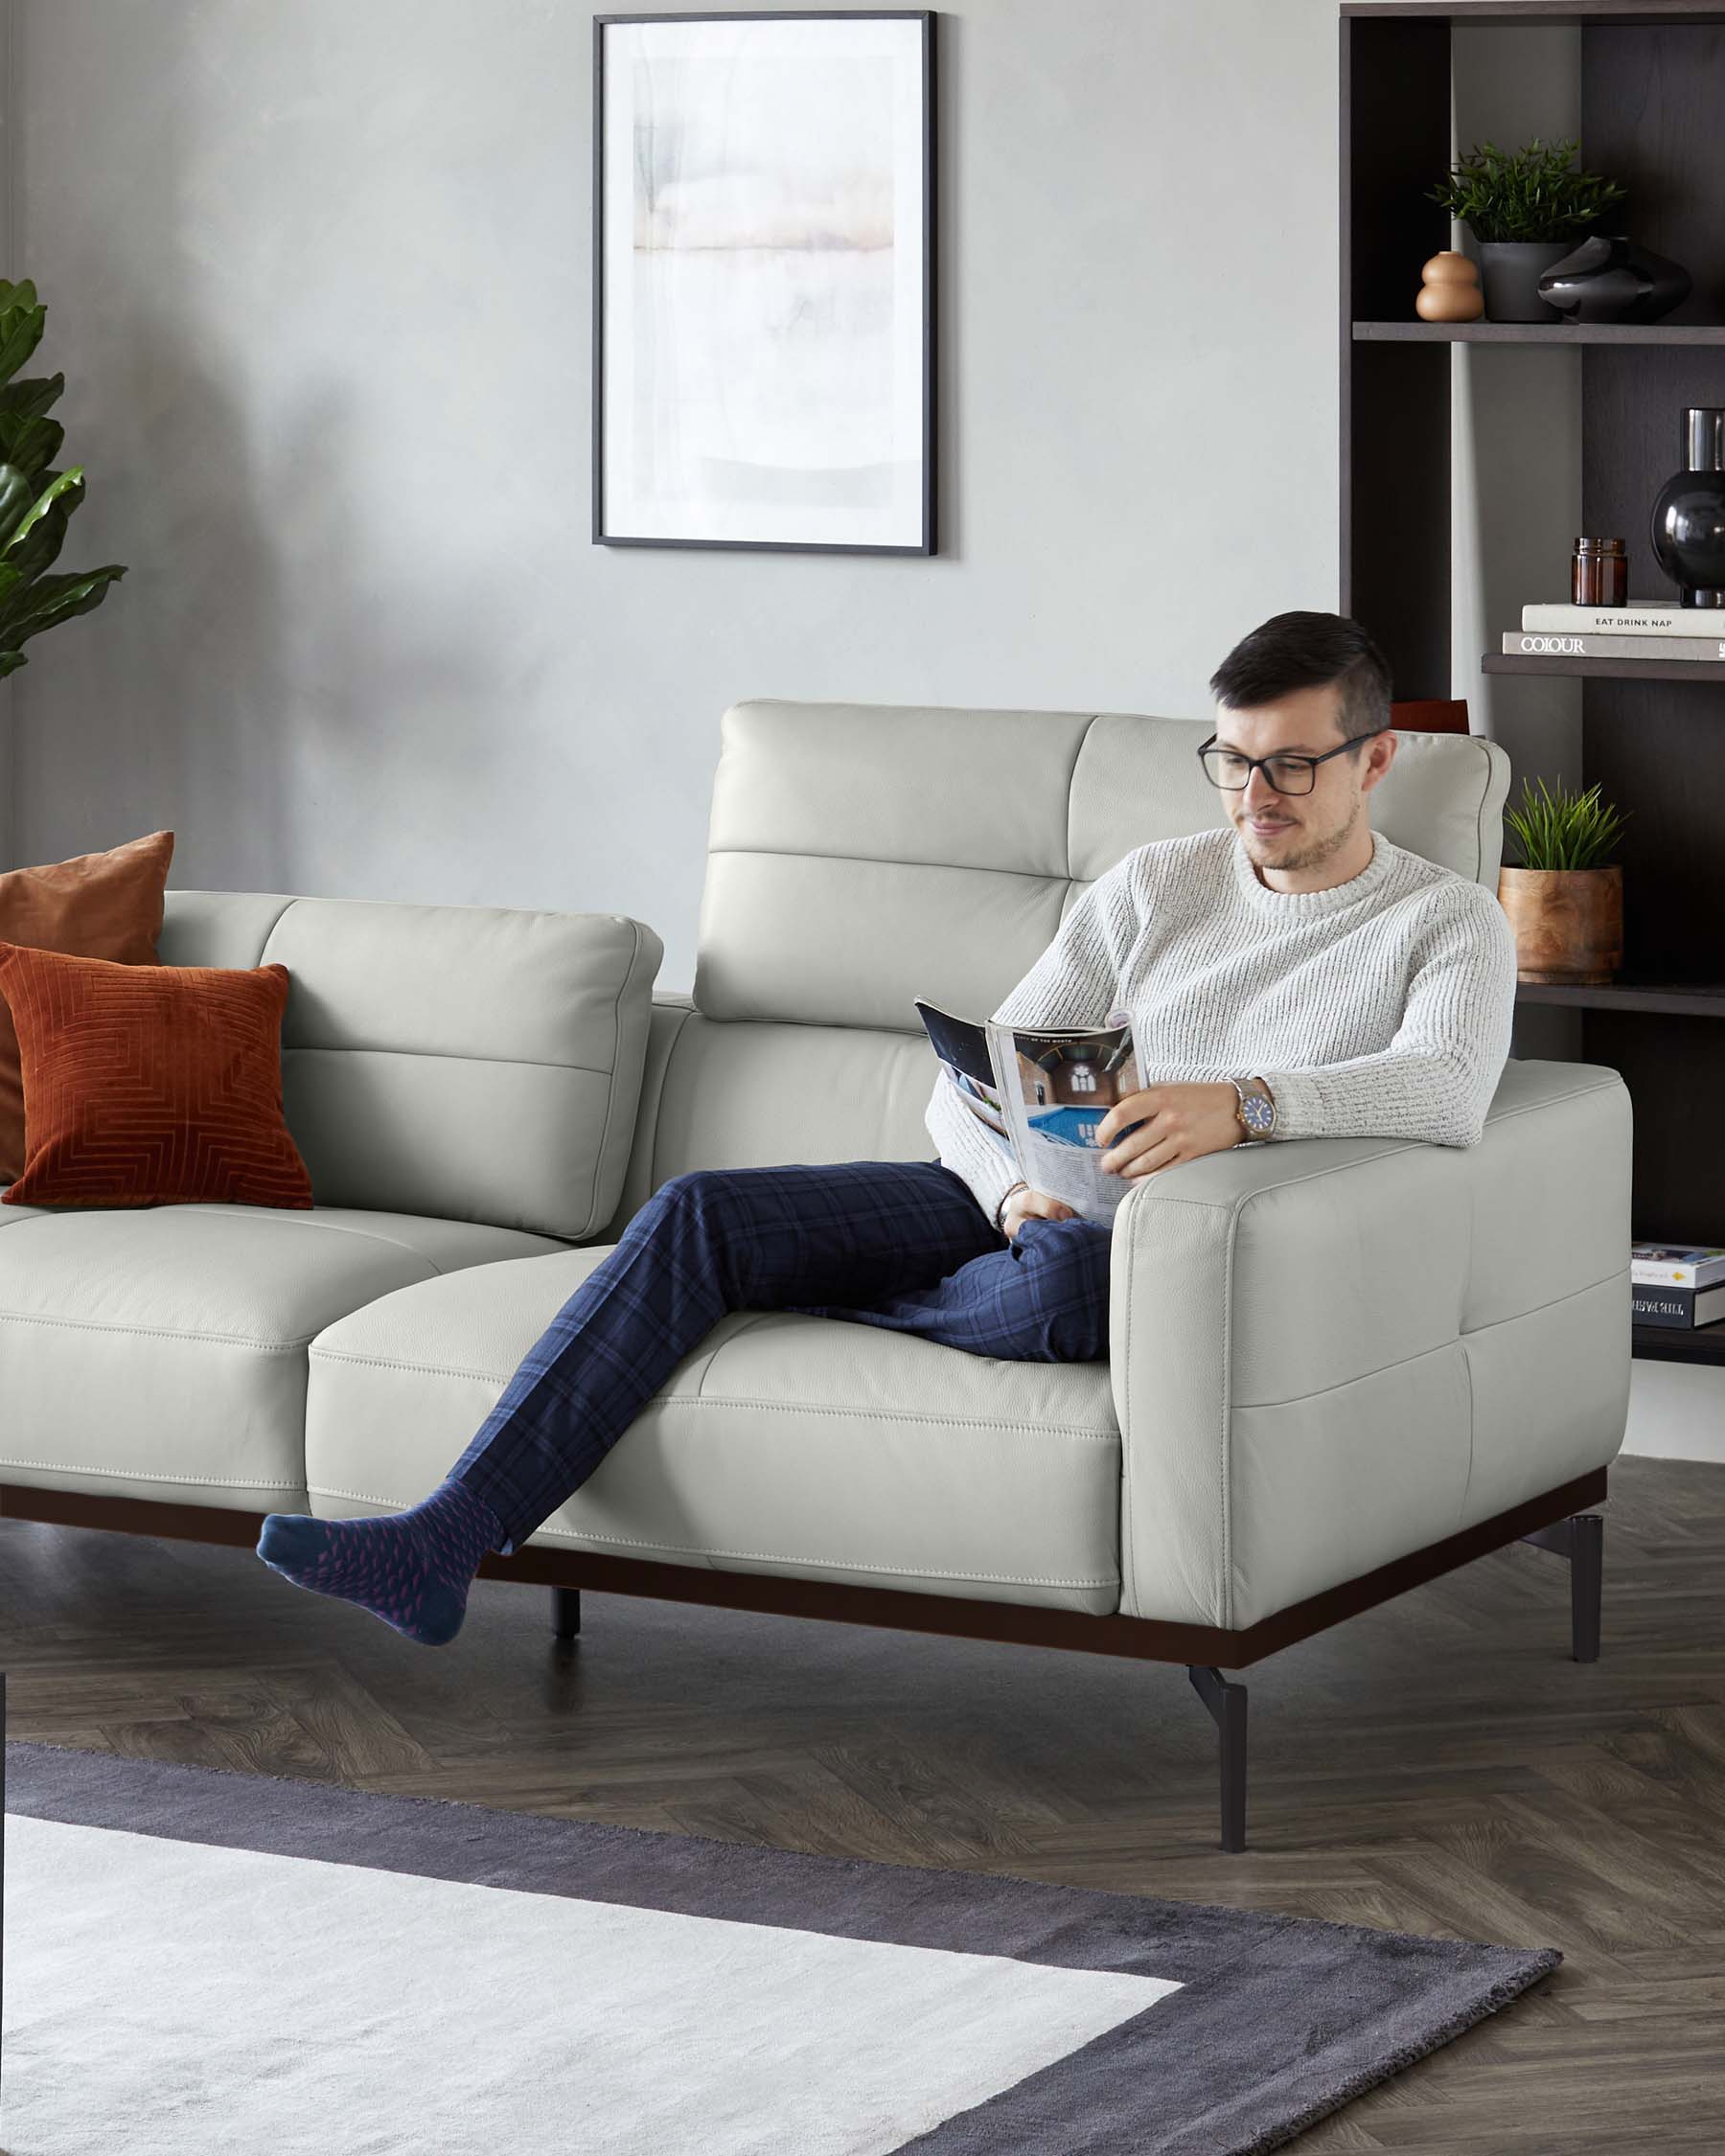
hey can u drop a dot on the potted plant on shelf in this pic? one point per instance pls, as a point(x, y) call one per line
point(1564, 901)
point(1526, 209)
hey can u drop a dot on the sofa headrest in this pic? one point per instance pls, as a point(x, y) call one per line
point(858, 855)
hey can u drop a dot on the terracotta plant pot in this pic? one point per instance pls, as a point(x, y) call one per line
point(1567, 923)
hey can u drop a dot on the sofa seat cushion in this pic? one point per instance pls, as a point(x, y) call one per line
point(782, 1443)
point(161, 1353)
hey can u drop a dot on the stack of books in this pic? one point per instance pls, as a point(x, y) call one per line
point(1680, 1284)
point(1640, 631)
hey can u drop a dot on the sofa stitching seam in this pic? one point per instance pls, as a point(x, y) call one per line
point(611, 1091)
point(1461, 1334)
point(779, 1407)
point(145, 1474)
point(443, 1055)
point(162, 1332)
point(1480, 814)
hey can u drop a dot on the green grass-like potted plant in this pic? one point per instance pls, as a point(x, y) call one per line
point(1526, 209)
point(1564, 900)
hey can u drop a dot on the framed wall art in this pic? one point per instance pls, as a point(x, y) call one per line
point(764, 281)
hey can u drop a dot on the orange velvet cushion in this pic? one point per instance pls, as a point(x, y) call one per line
point(97, 906)
point(150, 1085)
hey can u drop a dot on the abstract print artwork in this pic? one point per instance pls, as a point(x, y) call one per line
point(763, 215)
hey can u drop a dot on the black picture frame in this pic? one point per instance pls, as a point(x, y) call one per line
point(928, 544)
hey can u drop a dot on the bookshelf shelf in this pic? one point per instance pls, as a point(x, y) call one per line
point(1540, 333)
point(1671, 1343)
point(1672, 998)
point(1695, 671)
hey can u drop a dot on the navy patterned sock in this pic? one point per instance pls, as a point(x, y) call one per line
point(412, 1568)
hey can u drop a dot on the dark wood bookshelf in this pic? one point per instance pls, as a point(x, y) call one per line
point(1652, 731)
point(1675, 998)
point(1697, 673)
point(1577, 11)
point(1539, 333)
point(1672, 1344)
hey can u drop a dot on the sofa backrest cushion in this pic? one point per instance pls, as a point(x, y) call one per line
point(860, 855)
point(463, 1061)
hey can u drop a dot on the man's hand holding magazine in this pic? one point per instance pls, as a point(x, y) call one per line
point(1066, 1104)
point(1175, 1123)
point(1162, 1125)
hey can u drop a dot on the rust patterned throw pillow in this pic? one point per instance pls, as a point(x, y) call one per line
point(96, 906)
point(150, 1085)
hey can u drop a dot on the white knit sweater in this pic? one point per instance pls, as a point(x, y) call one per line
point(1380, 1007)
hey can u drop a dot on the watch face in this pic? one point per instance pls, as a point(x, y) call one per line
point(1259, 1112)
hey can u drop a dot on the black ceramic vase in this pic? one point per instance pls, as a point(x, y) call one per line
point(1689, 517)
point(1614, 280)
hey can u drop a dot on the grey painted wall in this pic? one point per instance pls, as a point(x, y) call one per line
point(318, 274)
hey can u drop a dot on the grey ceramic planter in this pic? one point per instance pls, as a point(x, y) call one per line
point(1509, 273)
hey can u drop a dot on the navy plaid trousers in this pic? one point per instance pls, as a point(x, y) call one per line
point(901, 1243)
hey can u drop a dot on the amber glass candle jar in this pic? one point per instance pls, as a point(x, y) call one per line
point(1598, 573)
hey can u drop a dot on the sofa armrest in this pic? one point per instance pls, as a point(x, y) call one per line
point(1330, 1352)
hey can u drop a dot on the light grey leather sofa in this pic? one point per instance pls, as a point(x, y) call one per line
point(462, 1082)
point(1338, 1367)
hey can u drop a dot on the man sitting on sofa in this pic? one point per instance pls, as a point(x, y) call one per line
point(1289, 975)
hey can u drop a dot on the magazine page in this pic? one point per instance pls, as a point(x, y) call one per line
point(962, 1046)
point(1056, 1085)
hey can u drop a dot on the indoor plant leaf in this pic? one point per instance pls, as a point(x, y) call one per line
point(20, 333)
point(39, 550)
point(52, 600)
point(30, 441)
point(59, 483)
point(32, 395)
point(17, 494)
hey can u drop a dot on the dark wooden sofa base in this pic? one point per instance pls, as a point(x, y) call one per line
point(1552, 1521)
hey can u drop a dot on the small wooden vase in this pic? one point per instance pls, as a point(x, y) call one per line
point(1567, 923)
point(1451, 291)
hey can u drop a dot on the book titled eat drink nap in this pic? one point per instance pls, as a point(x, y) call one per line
point(1707, 622)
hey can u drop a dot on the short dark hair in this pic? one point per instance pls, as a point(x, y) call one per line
point(1304, 650)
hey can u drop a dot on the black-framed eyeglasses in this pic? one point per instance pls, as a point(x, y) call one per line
point(1231, 770)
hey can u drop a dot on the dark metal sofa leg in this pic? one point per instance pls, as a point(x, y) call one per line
point(565, 1611)
point(1581, 1539)
point(1226, 1703)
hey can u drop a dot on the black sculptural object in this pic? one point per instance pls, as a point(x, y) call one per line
point(1614, 280)
point(1689, 517)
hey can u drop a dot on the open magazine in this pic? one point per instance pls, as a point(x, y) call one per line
point(1042, 1091)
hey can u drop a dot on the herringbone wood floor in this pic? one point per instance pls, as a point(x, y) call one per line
point(1438, 1765)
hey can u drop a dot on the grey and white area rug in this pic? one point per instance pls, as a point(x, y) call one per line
point(229, 1965)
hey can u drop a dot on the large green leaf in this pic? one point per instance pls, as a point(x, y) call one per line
point(59, 483)
point(36, 500)
point(32, 395)
point(30, 443)
point(52, 600)
point(41, 550)
point(17, 497)
point(20, 333)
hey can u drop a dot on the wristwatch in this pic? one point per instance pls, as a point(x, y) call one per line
point(999, 1229)
point(1256, 1112)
